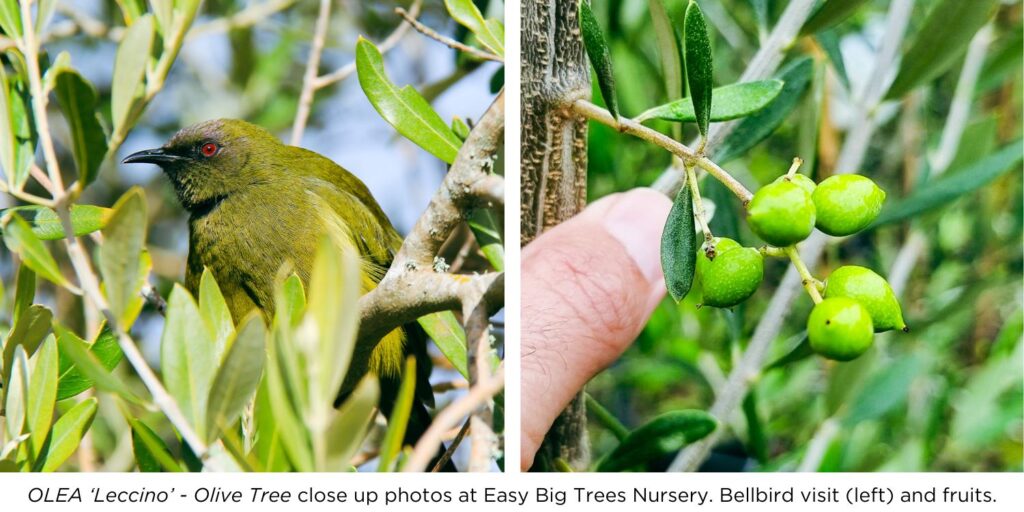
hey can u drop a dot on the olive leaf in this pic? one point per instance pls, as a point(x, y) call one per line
point(668, 49)
point(124, 238)
point(754, 128)
point(187, 362)
point(829, 14)
point(698, 65)
point(71, 381)
point(662, 436)
point(399, 420)
point(731, 102)
point(78, 101)
point(940, 42)
point(151, 453)
point(85, 219)
point(404, 109)
point(348, 426)
point(679, 246)
point(489, 33)
point(238, 377)
point(129, 69)
point(67, 433)
point(600, 59)
point(447, 333)
point(85, 360)
point(21, 240)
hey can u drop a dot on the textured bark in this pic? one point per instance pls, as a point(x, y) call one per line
point(554, 163)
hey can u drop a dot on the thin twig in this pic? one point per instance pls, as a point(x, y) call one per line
point(447, 41)
point(384, 47)
point(312, 68)
point(247, 17)
point(596, 113)
point(447, 455)
point(451, 415)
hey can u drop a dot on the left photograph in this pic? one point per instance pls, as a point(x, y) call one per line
point(252, 235)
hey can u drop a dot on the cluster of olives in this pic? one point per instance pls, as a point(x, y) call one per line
point(856, 301)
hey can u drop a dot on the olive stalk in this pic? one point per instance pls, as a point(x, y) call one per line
point(698, 210)
point(808, 280)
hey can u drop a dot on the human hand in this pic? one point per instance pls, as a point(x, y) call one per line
point(589, 286)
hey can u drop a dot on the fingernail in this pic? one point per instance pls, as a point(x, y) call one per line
point(636, 219)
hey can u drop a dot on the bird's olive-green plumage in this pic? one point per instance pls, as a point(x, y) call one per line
point(256, 203)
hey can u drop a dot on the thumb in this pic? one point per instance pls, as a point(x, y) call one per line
point(588, 287)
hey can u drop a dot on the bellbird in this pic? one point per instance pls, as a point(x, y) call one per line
point(255, 203)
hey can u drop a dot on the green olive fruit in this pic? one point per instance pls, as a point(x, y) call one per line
point(840, 328)
point(781, 213)
point(732, 276)
point(799, 179)
point(847, 204)
point(869, 289)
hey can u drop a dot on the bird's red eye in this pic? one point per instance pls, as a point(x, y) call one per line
point(209, 149)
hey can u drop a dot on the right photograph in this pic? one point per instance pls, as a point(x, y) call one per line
point(768, 235)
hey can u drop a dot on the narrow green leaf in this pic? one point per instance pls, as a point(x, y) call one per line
point(44, 13)
point(123, 239)
point(129, 69)
point(600, 59)
point(940, 42)
point(151, 453)
point(42, 394)
point(668, 49)
point(17, 127)
point(77, 100)
point(85, 219)
point(447, 333)
point(268, 444)
point(24, 291)
point(490, 33)
point(162, 13)
point(662, 436)
point(186, 358)
point(290, 433)
point(460, 128)
point(8, 150)
point(731, 102)
point(953, 184)
point(829, 14)
point(16, 393)
point(238, 377)
point(334, 290)
point(399, 420)
point(801, 351)
point(19, 239)
point(884, 390)
point(403, 108)
point(679, 246)
point(86, 362)
point(67, 433)
point(215, 312)
point(698, 65)
point(347, 430)
point(29, 330)
point(71, 381)
point(10, 18)
point(486, 228)
point(755, 128)
point(755, 427)
point(829, 41)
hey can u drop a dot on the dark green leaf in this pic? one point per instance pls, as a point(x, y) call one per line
point(755, 427)
point(24, 292)
point(238, 377)
point(86, 361)
point(829, 41)
point(940, 42)
point(67, 433)
point(29, 330)
point(668, 49)
point(801, 351)
point(698, 65)
point(77, 99)
point(18, 137)
point(124, 238)
point(885, 390)
point(953, 184)
point(447, 333)
point(19, 239)
point(679, 246)
point(486, 228)
point(72, 381)
point(834, 11)
point(405, 109)
point(399, 420)
point(151, 453)
point(755, 128)
point(731, 102)
point(662, 436)
point(600, 59)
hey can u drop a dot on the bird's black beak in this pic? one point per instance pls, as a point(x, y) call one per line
point(158, 156)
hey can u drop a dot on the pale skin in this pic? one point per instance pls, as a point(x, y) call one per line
point(589, 286)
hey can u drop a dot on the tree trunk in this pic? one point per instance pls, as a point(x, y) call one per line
point(554, 164)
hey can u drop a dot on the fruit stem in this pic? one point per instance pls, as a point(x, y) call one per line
point(797, 162)
point(809, 282)
point(698, 209)
point(775, 252)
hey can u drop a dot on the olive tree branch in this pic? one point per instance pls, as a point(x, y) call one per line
point(447, 41)
point(247, 17)
point(631, 127)
point(29, 45)
point(855, 147)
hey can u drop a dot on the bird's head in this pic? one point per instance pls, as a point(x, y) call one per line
point(211, 160)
